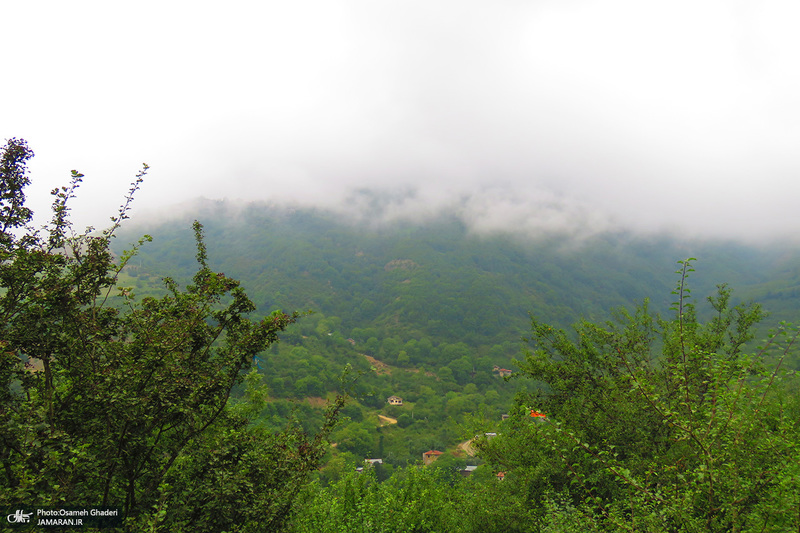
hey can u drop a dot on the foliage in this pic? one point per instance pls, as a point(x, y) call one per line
point(703, 438)
point(419, 500)
point(411, 501)
point(433, 295)
point(108, 397)
point(112, 400)
point(379, 280)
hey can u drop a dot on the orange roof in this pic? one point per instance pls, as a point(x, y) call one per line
point(537, 414)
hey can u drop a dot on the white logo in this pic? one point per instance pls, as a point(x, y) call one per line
point(19, 517)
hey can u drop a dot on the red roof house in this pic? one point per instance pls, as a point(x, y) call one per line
point(430, 456)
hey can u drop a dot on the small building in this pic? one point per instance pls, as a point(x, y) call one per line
point(503, 372)
point(374, 461)
point(467, 471)
point(395, 400)
point(430, 456)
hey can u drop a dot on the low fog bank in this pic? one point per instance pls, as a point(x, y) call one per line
point(469, 233)
point(527, 216)
point(539, 118)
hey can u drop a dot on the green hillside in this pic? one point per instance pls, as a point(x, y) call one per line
point(439, 280)
point(436, 306)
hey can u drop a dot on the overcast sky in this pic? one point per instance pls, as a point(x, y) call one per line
point(679, 116)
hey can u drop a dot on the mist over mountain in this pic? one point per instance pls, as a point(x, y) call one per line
point(445, 275)
point(556, 114)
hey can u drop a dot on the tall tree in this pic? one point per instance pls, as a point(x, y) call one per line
point(109, 400)
point(661, 425)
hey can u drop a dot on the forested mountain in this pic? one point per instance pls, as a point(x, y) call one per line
point(438, 279)
point(426, 311)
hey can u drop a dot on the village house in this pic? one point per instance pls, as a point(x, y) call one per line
point(503, 372)
point(467, 471)
point(430, 456)
point(395, 400)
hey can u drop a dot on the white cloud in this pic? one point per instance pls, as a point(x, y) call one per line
point(675, 117)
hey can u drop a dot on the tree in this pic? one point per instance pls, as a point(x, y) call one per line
point(357, 438)
point(413, 499)
point(112, 400)
point(700, 438)
point(402, 359)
